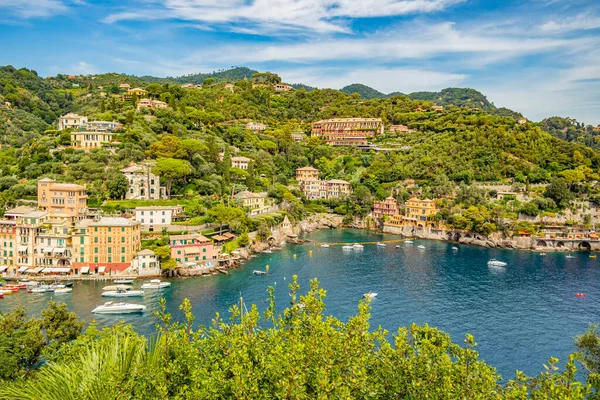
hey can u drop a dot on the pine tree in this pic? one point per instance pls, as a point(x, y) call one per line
point(102, 106)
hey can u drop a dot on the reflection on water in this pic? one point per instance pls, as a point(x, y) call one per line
point(520, 315)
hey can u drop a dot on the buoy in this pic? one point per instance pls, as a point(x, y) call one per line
point(294, 255)
point(310, 252)
point(267, 267)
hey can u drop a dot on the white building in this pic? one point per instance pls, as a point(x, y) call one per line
point(240, 162)
point(154, 218)
point(146, 263)
point(143, 184)
point(103, 126)
point(256, 126)
point(72, 121)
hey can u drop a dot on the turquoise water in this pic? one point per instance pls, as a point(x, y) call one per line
point(520, 315)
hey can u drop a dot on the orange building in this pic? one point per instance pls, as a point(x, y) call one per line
point(347, 131)
point(62, 198)
point(105, 246)
point(306, 173)
point(420, 212)
point(191, 249)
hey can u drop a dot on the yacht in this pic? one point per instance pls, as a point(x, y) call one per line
point(63, 290)
point(454, 248)
point(124, 281)
point(421, 247)
point(495, 263)
point(357, 246)
point(119, 308)
point(569, 256)
point(347, 247)
point(257, 272)
point(379, 244)
point(39, 289)
point(123, 291)
point(325, 245)
point(370, 295)
point(408, 241)
point(156, 284)
point(542, 254)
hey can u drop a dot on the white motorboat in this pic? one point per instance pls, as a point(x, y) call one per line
point(542, 254)
point(124, 291)
point(39, 289)
point(119, 308)
point(156, 284)
point(347, 247)
point(268, 251)
point(569, 256)
point(29, 284)
point(325, 245)
point(408, 241)
point(495, 263)
point(124, 281)
point(357, 246)
point(63, 290)
point(397, 246)
point(454, 248)
point(421, 247)
point(257, 272)
point(370, 295)
point(379, 244)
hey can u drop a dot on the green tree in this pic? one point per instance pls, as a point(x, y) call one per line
point(118, 187)
point(222, 214)
point(558, 190)
point(170, 169)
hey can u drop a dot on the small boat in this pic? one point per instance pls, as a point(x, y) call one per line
point(29, 283)
point(496, 263)
point(397, 246)
point(325, 245)
point(16, 287)
point(6, 292)
point(39, 289)
point(594, 256)
point(454, 248)
point(347, 247)
point(408, 241)
point(268, 251)
point(66, 284)
point(542, 254)
point(370, 295)
point(421, 247)
point(1, 295)
point(123, 281)
point(257, 272)
point(156, 284)
point(63, 290)
point(357, 246)
point(569, 256)
point(379, 244)
point(123, 291)
point(119, 308)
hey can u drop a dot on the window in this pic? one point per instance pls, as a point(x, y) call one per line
point(109, 239)
point(95, 250)
point(95, 240)
point(122, 229)
point(122, 239)
point(109, 229)
point(109, 259)
point(178, 252)
point(122, 249)
point(95, 229)
point(81, 240)
point(96, 259)
point(142, 213)
point(204, 249)
point(109, 250)
point(123, 259)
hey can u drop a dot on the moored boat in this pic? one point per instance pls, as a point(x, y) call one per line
point(357, 246)
point(63, 290)
point(123, 291)
point(370, 295)
point(39, 289)
point(123, 281)
point(379, 244)
point(347, 247)
point(325, 245)
point(156, 284)
point(421, 247)
point(495, 263)
point(6, 292)
point(408, 241)
point(119, 308)
point(569, 256)
point(257, 272)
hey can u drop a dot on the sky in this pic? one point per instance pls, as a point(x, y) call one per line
point(538, 57)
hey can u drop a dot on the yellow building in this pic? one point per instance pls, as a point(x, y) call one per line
point(90, 140)
point(420, 212)
point(105, 246)
point(62, 198)
point(306, 174)
point(8, 245)
point(257, 203)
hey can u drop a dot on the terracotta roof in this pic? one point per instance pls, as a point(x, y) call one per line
point(198, 236)
point(249, 195)
point(340, 181)
point(309, 168)
point(67, 186)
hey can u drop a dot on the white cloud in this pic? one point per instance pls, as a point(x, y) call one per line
point(83, 68)
point(33, 9)
point(384, 79)
point(581, 22)
point(272, 15)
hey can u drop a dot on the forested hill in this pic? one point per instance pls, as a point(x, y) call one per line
point(458, 143)
point(571, 130)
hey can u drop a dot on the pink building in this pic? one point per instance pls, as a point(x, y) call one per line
point(193, 248)
point(387, 207)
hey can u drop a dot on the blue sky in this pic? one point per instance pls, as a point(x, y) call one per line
point(539, 57)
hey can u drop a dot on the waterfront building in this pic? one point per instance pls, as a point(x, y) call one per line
point(347, 131)
point(256, 126)
point(240, 162)
point(146, 263)
point(8, 245)
point(28, 226)
point(257, 203)
point(105, 246)
point(90, 140)
point(337, 188)
point(306, 173)
point(191, 249)
point(53, 245)
point(72, 121)
point(154, 218)
point(387, 207)
point(103, 126)
point(143, 184)
point(420, 212)
point(62, 198)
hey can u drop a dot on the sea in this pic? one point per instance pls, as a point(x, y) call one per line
point(521, 314)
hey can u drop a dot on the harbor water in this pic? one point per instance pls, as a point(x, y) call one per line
point(520, 315)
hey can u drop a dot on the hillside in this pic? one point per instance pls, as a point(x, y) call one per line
point(571, 130)
point(365, 91)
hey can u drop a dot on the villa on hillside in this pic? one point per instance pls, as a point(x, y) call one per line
point(90, 140)
point(307, 173)
point(257, 203)
point(417, 213)
point(62, 198)
point(73, 121)
point(256, 126)
point(280, 87)
point(143, 184)
point(387, 207)
point(149, 103)
point(347, 131)
point(240, 162)
point(191, 249)
point(103, 126)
